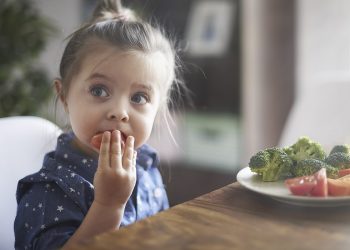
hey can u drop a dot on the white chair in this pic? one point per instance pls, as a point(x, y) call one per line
point(322, 112)
point(24, 140)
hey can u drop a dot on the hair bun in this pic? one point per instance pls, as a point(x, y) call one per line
point(112, 10)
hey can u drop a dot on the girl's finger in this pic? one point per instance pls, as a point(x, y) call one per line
point(134, 159)
point(103, 159)
point(129, 152)
point(116, 150)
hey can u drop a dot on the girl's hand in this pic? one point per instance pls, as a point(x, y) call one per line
point(115, 177)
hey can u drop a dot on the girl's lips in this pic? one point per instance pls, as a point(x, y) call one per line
point(97, 139)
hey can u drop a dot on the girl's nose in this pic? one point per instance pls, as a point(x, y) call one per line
point(118, 115)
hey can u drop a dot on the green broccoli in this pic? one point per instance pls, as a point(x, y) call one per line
point(339, 160)
point(272, 164)
point(305, 148)
point(345, 148)
point(311, 166)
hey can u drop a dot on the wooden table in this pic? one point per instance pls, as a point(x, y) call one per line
point(234, 218)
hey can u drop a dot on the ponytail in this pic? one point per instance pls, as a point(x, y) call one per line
point(112, 10)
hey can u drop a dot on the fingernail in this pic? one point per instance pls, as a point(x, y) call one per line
point(107, 134)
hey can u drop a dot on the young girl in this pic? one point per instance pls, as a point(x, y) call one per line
point(116, 75)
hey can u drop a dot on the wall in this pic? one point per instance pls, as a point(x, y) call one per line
point(321, 105)
point(323, 41)
point(65, 16)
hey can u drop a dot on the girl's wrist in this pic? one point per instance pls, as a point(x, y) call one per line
point(99, 219)
point(111, 207)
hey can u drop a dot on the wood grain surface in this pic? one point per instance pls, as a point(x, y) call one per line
point(234, 218)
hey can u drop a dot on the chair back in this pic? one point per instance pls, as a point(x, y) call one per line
point(24, 140)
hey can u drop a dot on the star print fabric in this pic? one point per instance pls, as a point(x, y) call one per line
point(53, 202)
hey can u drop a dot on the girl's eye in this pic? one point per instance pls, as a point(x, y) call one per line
point(99, 91)
point(139, 98)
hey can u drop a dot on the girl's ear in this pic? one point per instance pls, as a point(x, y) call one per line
point(59, 92)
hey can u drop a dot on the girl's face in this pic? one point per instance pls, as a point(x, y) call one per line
point(115, 90)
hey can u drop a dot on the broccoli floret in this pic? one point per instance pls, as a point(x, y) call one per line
point(272, 164)
point(305, 148)
point(345, 148)
point(339, 160)
point(259, 161)
point(310, 166)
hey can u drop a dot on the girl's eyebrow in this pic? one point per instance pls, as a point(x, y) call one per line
point(144, 86)
point(98, 75)
point(147, 87)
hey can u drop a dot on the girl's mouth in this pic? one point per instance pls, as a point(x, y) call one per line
point(97, 139)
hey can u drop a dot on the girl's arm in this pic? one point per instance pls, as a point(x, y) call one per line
point(114, 181)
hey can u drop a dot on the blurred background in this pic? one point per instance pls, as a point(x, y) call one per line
point(261, 72)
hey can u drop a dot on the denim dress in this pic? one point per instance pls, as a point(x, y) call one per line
point(53, 202)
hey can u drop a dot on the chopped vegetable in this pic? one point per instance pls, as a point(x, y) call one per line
point(340, 186)
point(272, 164)
point(339, 160)
point(311, 185)
point(344, 148)
point(305, 148)
point(343, 172)
point(310, 166)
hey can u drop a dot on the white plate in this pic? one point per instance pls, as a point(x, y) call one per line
point(278, 191)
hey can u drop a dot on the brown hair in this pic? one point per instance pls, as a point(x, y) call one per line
point(120, 27)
